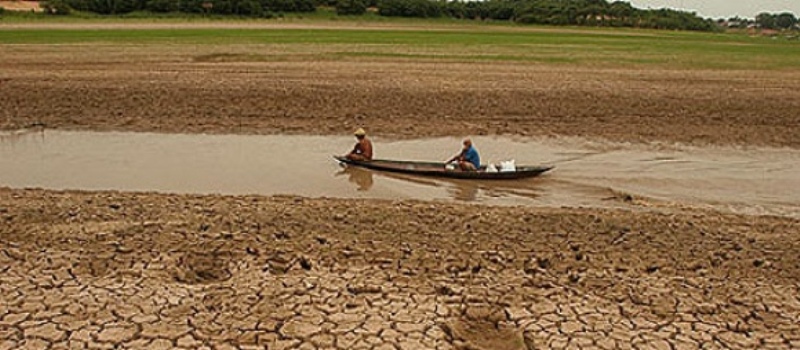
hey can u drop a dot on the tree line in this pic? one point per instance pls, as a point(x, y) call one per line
point(764, 20)
point(249, 8)
point(784, 20)
point(550, 12)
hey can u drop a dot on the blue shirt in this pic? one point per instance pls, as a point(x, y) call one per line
point(471, 155)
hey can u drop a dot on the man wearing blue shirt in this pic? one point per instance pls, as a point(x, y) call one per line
point(468, 159)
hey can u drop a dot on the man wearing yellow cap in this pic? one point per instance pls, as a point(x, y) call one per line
point(363, 149)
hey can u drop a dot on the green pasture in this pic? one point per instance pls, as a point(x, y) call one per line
point(451, 42)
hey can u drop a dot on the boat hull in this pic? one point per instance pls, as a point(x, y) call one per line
point(439, 169)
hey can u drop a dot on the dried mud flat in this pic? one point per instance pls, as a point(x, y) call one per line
point(120, 270)
point(332, 88)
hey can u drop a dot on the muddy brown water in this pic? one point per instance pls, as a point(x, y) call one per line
point(589, 174)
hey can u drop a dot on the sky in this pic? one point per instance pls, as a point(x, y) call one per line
point(724, 8)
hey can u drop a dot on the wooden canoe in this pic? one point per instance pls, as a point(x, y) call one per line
point(439, 169)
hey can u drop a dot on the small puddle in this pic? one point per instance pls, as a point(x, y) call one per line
point(754, 181)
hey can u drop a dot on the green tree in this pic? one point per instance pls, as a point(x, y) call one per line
point(56, 7)
point(621, 13)
point(289, 5)
point(351, 7)
point(504, 10)
point(304, 6)
point(111, 7)
point(162, 5)
point(786, 20)
point(765, 20)
point(329, 3)
point(593, 15)
point(190, 6)
point(79, 5)
point(455, 9)
point(409, 8)
point(251, 8)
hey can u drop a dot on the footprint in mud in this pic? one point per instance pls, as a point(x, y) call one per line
point(483, 328)
point(198, 268)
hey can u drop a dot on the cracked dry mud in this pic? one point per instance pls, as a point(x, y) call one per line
point(182, 88)
point(146, 271)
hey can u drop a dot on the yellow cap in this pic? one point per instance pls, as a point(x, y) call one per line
point(360, 132)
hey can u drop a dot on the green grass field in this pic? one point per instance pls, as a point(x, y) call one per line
point(433, 40)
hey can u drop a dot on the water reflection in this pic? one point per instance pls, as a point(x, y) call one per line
point(465, 191)
point(17, 136)
point(361, 177)
point(459, 190)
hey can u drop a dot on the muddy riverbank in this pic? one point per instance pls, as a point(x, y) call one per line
point(185, 89)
